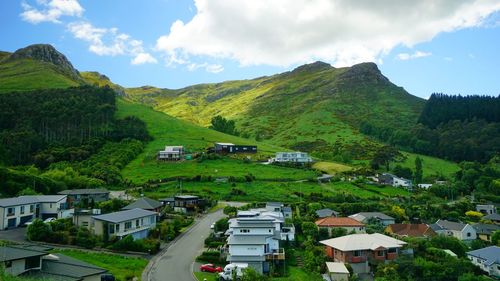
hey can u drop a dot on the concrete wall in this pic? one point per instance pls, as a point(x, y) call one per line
point(16, 268)
point(2, 218)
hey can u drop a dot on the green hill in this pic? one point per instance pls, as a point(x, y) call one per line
point(311, 108)
point(36, 67)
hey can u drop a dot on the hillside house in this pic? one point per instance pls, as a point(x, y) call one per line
point(381, 218)
point(349, 224)
point(484, 231)
point(495, 218)
point(363, 250)
point(292, 157)
point(486, 209)
point(458, 230)
point(223, 147)
point(40, 264)
point(488, 259)
point(83, 217)
point(145, 204)
point(171, 153)
point(186, 203)
point(323, 213)
point(424, 185)
point(390, 179)
point(401, 230)
point(283, 230)
point(17, 211)
point(135, 222)
point(85, 196)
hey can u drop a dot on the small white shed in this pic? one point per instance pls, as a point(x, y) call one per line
point(337, 271)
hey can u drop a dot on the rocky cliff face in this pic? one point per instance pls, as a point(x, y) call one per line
point(46, 53)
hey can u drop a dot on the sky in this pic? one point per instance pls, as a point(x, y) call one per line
point(427, 46)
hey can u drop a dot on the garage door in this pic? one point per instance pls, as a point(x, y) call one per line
point(12, 223)
point(25, 219)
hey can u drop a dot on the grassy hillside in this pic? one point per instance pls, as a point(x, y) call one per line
point(311, 108)
point(167, 130)
point(430, 165)
point(29, 74)
point(100, 80)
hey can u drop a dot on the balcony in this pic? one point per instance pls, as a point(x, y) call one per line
point(277, 255)
point(357, 259)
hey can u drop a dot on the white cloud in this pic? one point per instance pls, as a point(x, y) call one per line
point(416, 55)
point(343, 32)
point(50, 11)
point(143, 58)
point(212, 68)
point(110, 42)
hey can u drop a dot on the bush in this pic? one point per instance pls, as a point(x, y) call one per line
point(39, 231)
point(210, 257)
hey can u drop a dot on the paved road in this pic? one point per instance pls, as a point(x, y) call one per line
point(177, 262)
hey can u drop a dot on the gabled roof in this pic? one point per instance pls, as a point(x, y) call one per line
point(30, 199)
point(412, 230)
point(450, 225)
point(493, 217)
point(364, 216)
point(13, 253)
point(491, 254)
point(323, 213)
point(355, 242)
point(127, 215)
point(143, 203)
point(482, 228)
point(436, 227)
point(86, 191)
point(338, 222)
point(69, 267)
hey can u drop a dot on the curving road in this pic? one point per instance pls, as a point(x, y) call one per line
point(176, 264)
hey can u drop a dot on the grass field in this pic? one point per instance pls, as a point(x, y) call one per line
point(431, 165)
point(261, 191)
point(331, 167)
point(121, 267)
point(167, 130)
point(294, 274)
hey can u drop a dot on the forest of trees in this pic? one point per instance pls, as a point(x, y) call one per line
point(450, 127)
point(52, 125)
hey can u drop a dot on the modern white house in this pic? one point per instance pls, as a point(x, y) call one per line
point(382, 218)
point(16, 211)
point(424, 185)
point(486, 209)
point(292, 157)
point(171, 153)
point(136, 222)
point(458, 230)
point(254, 241)
point(488, 259)
point(390, 179)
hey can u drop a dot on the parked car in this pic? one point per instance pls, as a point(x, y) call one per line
point(49, 220)
point(27, 223)
point(210, 268)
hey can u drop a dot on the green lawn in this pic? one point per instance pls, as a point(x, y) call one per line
point(331, 167)
point(293, 274)
point(121, 267)
point(167, 130)
point(431, 165)
point(261, 191)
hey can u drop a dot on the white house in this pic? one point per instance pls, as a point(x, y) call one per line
point(486, 209)
point(488, 259)
point(19, 210)
point(458, 230)
point(390, 179)
point(292, 157)
point(136, 222)
point(424, 185)
point(382, 218)
point(254, 241)
point(171, 153)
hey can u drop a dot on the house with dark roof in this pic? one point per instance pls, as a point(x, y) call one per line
point(85, 196)
point(145, 204)
point(484, 231)
point(186, 203)
point(17, 211)
point(382, 218)
point(495, 218)
point(410, 230)
point(136, 222)
point(323, 213)
point(458, 230)
point(349, 224)
point(488, 259)
point(37, 263)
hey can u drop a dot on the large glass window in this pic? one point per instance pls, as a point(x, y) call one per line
point(357, 253)
point(11, 211)
point(22, 210)
point(128, 225)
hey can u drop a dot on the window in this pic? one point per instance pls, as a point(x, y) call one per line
point(8, 264)
point(357, 253)
point(11, 211)
point(468, 234)
point(50, 205)
point(136, 223)
point(244, 230)
point(380, 253)
point(32, 208)
point(128, 225)
point(118, 228)
point(111, 228)
point(392, 250)
point(85, 223)
point(22, 210)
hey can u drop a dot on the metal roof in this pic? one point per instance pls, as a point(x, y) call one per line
point(127, 215)
point(323, 213)
point(493, 217)
point(450, 225)
point(30, 199)
point(336, 267)
point(490, 254)
point(13, 253)
point(368, 215)
point(355, 242)
point(83, 191)
point(62, 265)
point(144, 203)
point(482, 228)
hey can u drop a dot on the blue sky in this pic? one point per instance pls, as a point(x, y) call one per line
point(427, 46)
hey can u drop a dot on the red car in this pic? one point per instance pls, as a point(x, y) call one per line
point(210, 268)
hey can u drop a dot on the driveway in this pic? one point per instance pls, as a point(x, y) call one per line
point(177, 263)
point(15, 234)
